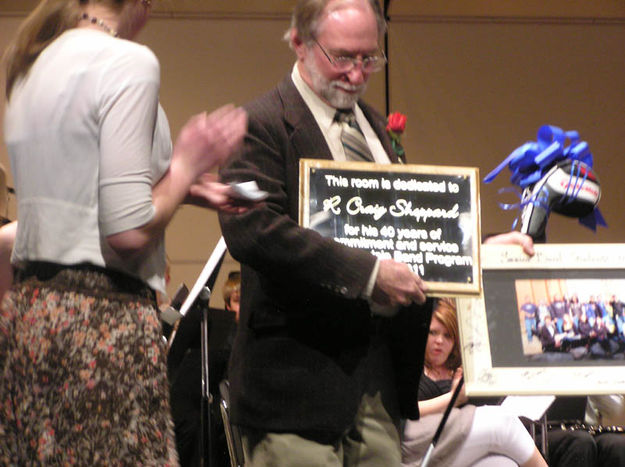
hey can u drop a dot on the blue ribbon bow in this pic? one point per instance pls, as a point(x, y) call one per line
point(531, 161)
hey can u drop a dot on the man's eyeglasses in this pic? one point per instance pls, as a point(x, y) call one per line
point(344, 63)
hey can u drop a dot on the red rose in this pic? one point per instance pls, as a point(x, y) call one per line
point(396, 123)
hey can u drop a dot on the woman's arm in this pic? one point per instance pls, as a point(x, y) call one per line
point(435, 405)
point(205, 141)
point(133, 207)
point(7, 239)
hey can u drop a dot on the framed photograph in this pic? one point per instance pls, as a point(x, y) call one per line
point(424, 216)
point(548, 324)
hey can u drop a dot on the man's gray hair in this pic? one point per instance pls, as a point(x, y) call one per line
point(307, 15)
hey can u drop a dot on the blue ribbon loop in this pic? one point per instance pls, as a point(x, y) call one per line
point(531, 161)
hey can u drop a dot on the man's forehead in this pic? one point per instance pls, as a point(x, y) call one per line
point(353, 23)
point(336, 9)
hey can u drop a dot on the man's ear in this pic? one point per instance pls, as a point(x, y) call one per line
point(297, 44)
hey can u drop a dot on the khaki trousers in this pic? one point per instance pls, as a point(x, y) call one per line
point(372, 440)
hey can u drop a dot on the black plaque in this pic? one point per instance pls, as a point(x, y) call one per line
point(424, 216)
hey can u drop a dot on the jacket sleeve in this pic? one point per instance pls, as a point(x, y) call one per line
point(268, 237)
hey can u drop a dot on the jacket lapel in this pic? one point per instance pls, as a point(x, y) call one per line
point(306, 137)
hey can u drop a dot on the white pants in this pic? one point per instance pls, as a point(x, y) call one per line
point(495, 460)
point(493, 432)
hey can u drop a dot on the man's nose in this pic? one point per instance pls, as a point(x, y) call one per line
point(357, 75)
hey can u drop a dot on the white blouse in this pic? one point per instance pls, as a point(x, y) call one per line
point(87, 140)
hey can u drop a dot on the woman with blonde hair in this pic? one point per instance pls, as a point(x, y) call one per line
point(472, 436)
point(97, 179)
point(232, 293)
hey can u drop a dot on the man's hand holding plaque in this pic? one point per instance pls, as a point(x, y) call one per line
point(396, 284)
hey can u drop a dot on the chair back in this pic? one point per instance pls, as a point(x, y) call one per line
point(233, 436)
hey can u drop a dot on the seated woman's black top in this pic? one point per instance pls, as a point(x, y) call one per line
point(429, 389)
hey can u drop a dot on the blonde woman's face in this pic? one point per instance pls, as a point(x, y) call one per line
point(235, 303)
point(440, 344)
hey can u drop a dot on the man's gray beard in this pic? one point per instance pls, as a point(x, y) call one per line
point(331, 90)
point(339, 98)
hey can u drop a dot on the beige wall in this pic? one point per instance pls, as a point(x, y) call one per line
point(473, 87)
point(475, 90)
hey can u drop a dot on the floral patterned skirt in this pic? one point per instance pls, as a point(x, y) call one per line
point(82, 372)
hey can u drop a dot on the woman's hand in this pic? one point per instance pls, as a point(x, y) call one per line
point(462, 396)
point(207, 140)
point(209, 193)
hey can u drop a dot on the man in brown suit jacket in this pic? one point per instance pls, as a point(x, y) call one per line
point(319, 373)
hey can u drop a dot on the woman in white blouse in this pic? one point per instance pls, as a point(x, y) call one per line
point(97, 181)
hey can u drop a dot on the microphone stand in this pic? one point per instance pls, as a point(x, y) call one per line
point(387, 97)
point(206, 453)
point(441, 425)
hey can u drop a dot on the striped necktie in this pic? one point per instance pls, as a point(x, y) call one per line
point(354, 142)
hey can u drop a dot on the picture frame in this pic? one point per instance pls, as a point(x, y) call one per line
point(498, 356)
point(427, 217)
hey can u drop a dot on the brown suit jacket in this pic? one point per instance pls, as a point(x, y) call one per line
point(303, 328)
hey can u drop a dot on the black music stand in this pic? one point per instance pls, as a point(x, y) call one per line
point(198, 299)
